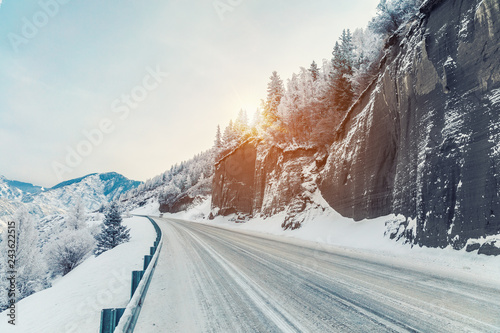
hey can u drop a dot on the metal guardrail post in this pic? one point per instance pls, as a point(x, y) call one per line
point(136, 278)
point(147, 260)
point(110, 319)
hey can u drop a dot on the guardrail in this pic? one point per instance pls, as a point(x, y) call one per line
point(123, 320)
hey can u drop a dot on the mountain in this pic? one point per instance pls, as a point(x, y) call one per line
point(94, 190)
point(13, 194)
point(15, 190)
point(422, 141)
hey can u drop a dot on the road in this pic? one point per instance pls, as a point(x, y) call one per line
point(210, 279)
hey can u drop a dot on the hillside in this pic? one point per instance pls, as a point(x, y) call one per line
point(178, 188)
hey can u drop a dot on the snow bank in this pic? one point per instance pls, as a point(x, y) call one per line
point(328, 230)
point(74, 302)
point(152, 208)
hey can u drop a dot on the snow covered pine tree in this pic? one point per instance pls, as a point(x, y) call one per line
point(113, 232)
point(77, 216)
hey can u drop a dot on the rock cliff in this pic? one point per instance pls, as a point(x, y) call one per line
point(422, 141)
point(257, 179)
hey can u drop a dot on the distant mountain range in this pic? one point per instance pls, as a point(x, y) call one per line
point(94, 190)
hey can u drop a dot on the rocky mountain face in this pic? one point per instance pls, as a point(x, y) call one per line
point(93, 190)
point(422, 141)
point(258, 179)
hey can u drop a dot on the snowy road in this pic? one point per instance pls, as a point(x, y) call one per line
point(211, 279)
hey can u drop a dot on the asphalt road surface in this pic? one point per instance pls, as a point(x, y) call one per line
point(210, 279)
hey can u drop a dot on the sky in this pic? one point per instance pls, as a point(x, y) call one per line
point(136, 86)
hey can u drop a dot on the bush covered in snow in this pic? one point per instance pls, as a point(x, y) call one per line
point(70, 242)
point(72, 247)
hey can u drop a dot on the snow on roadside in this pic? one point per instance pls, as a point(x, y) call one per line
point(75, 301)
point(328, 230)
point(151, 209)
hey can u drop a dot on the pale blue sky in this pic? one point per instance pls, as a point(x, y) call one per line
point(63, 79)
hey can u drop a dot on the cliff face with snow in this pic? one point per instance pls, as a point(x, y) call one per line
point(257, 179)
point(422, 141)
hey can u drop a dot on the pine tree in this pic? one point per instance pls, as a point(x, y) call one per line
point(218, 139)
point(77, 216)
point(255, 124)
point(102, 207)
point(275, 92)
point(230, 136)
point(242, 118)
point(187, 183)
point(216, 151)
point(241, 123)
point(299, 108)
point(314, 70)
point(257, 119)
point(289, 109)
point(113, 232)
point(368, 49)
point(342, 63)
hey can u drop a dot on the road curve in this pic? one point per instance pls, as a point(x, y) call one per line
point(210, 279)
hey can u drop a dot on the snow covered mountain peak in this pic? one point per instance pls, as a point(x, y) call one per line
point(93, 189)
